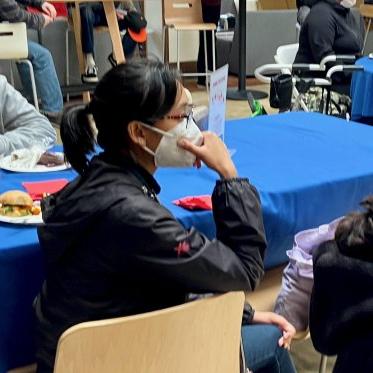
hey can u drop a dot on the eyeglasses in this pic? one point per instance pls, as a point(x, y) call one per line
point(188, 114)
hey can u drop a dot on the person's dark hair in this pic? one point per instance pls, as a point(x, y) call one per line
point(354, 233)
point(142, 90)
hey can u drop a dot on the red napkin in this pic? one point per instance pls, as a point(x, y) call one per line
point(38, 189)
point(194, 202)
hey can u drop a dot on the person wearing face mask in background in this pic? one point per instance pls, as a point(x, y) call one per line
point(111, 249)
point(330, 28)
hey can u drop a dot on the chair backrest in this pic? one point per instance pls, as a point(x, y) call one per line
point(200, 336)
point(182, 11)
point(366, 10)
point(285, 54)
point(13, 41)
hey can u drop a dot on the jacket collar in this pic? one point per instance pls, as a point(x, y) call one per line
point(127, 163)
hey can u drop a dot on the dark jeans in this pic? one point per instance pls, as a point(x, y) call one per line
point(262, 353)
point(210, 14)
point(93, 15)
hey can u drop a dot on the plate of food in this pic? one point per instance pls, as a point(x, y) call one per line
point(17, 207)
point(29, 160)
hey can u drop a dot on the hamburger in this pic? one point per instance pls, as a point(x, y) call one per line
point(16, 203)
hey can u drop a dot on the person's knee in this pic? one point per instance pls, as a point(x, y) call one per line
point(40, 56)
point(45, 57)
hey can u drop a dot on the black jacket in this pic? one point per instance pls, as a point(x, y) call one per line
point(341, 310)
point(112, 250)
point(329, 29)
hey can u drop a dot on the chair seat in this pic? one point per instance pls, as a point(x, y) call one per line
point(193, 26)
point(366, 10)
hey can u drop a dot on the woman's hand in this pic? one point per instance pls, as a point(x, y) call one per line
point(49, 10)
point(288, 330)
point(120, 14)
point(213, 153)
point(47, 20)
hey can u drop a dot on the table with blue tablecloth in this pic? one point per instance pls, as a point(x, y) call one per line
point(308, 169)
point(362, 92)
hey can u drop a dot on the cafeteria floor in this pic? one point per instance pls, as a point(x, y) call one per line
point(305, 357)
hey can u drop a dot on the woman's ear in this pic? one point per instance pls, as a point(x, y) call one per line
point(136, 133)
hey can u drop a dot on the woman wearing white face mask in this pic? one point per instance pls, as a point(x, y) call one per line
point(113, 250)
point(330, 28)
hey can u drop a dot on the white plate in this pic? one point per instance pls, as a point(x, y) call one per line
point(27, 220)
point(4, 164)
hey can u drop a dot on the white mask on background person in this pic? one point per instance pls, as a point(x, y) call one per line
point(168, 152)
point(348, 3)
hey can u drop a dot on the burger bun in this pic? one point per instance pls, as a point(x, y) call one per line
point(16, 198)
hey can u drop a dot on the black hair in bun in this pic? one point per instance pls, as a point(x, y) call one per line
point(354, 234)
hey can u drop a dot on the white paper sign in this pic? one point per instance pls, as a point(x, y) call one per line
point(218, 101)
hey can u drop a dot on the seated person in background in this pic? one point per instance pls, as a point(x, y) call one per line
point(330, 28)
point(341, 312)
point(47, 84)
point(113, 250)
point(21, 126)
point(93, 15)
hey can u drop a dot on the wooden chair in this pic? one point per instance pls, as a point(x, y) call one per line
point(366, 11)
point(200, 336)
point(186, 15)
point(14, 47)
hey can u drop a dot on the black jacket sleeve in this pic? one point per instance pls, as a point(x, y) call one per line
point(163, 250)
point(321, 33)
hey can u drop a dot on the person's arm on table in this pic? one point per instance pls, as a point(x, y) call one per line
point(22, 125)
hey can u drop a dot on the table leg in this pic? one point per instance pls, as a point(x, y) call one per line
point(78, 43)
point(112, 22)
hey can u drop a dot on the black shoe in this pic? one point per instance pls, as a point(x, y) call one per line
point(90, 75)
point(112, 60)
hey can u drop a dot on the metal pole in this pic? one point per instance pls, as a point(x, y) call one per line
point(242, 46)
point(241, 92)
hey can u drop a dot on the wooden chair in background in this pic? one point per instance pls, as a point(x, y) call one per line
point(200, 336)
point(186, 15)
point(14, 47)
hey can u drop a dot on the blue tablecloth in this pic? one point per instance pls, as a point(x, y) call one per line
point(362, 91)
point(308, 168)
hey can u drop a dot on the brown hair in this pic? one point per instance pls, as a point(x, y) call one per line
point(354, 233)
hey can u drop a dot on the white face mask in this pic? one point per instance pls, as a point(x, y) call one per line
point(168, 153)
point(348, 3)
